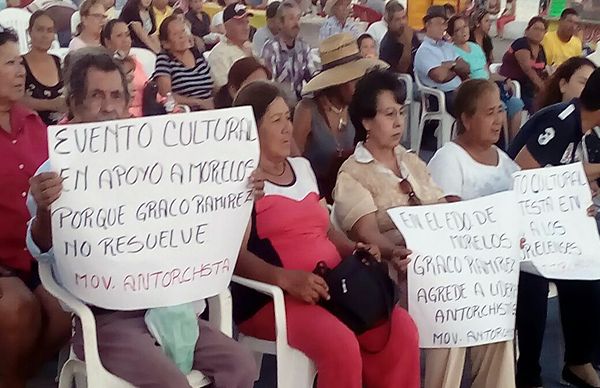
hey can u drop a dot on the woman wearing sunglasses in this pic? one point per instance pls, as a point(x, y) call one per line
point(381, 174)
point(470, 167)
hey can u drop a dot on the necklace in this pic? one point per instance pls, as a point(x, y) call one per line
point(278, 174)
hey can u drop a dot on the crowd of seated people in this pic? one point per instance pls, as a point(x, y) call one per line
point(332, 163)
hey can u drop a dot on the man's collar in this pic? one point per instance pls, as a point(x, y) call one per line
point(434, 42)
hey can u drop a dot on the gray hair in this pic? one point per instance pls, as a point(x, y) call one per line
point(285, 5)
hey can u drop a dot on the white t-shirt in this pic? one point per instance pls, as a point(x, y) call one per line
point(457, 173)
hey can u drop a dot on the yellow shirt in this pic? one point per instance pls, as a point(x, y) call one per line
point(159, 15)
point(558, 51)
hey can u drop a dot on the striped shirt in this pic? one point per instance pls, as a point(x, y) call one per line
point(193, 82)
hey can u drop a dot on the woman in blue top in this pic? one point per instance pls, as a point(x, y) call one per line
point(473, 54)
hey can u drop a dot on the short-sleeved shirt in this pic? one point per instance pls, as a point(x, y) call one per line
point(132, 14)
point(200, 26)
point(432, 54)
point(510, 66)
point(22, 151)
point(333, 26)
point(287, 217)
point(223, 56)
point(558, 51)
point(194, 82)
point(391, 50)
point(159, 15)
point(476, 60)
point(365, 186)
point(458, 174)
point(552, 135)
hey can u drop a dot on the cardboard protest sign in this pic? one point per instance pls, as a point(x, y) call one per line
point(153, 210)
point(561, 239)
point(463, 277)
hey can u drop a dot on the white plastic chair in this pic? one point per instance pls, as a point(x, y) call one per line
point(92, 373)
point(60, 52)
point(17, 19)
point(294, 368)
point(414, 106)
point(75, 20)
point(146, 57)
point(445, 121)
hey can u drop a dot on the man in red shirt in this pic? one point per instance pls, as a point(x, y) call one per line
point(33, 327)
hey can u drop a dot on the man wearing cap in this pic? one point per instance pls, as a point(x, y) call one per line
point(337, 21)
point(436, 62)
point(400, 43)
point(287, 55)
point(552, 137)
point(267, 32)
point(234, 46)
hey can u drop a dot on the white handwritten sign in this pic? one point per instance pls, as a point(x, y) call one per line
point(153, 210)
point(561, 239)
point(464, 273)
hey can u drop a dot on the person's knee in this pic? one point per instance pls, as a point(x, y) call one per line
point(404, 325)
point(20, 312)
point(245, 370)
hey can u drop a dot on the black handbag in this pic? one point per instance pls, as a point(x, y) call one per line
point(362, 295)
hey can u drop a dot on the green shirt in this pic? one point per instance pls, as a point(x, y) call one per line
point(476, 60)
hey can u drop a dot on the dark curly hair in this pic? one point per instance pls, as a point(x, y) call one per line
point(552, 94)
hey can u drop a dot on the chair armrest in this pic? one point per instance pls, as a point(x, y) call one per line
point(279, 304)
point(517, 88)
point(437, 94)
point(88, 322)
point(408, 82)
point(220, 312)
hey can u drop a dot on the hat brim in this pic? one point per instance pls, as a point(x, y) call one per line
point(341, 74)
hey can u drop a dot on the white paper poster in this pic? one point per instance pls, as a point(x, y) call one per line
point(463, 277)
point(153, 210)
point(561, 239)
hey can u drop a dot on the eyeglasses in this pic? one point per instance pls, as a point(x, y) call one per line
point(407, 189)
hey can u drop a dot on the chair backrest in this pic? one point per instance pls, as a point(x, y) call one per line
point(75, 20)
point(60, 52)
point(146, 57)
point(495, 67)
point(366, 14)
point(17, 19)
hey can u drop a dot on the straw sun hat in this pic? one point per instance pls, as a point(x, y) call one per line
point(340, 63)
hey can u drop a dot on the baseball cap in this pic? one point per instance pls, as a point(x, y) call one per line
point(235, 11)
point(435, 11)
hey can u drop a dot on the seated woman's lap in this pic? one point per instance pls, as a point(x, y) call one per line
point(336, 350)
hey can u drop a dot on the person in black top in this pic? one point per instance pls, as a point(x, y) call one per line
point(553, 137)
point(400, 43)
point(199, 20)
point(139, 16)
point(43, 79)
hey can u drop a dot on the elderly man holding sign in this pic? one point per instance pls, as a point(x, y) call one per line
point(155, 264)
point(552, 137)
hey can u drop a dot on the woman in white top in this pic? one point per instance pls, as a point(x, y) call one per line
point(93, 18)
point(471, 167)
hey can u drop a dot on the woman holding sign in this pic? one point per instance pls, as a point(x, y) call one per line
point(471, 167)
point(289, 235)
point(33, 327)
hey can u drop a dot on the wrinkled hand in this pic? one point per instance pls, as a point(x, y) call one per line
point(257, 184)
point(304, 286)
point(592, 211)
point(372, 249)
point(45, 189)
point(400, 259)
